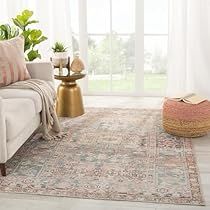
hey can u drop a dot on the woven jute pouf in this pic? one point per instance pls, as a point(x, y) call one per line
point(186, 120)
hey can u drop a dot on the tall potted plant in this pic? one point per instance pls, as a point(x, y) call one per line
point(33, 37)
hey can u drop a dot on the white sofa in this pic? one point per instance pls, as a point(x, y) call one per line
point(20, 113)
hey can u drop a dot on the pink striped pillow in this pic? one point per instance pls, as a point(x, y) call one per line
point(12, 61)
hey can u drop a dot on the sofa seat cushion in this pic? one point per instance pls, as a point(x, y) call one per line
point(18, 114)
point(23, 93)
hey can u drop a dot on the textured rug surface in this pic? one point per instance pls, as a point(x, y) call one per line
point(114, 154)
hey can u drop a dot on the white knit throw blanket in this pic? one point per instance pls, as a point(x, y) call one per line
point(47, 93)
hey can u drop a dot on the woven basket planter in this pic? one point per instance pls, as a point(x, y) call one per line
point(186, 120)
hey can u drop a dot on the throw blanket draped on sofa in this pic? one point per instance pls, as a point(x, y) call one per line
point(48, 95)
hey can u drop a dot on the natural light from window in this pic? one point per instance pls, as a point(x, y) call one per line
point(111, 29)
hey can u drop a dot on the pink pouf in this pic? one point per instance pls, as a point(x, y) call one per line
point(186, 120)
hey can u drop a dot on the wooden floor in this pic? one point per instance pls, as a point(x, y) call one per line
point(202, 151)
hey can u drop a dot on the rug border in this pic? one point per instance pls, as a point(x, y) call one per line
point(195, 159)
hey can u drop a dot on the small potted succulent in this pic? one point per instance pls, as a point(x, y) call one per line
point(60, 56)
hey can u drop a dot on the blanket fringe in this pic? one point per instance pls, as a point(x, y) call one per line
point(57, 136)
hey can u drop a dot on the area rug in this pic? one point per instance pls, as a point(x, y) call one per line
point(114, 154)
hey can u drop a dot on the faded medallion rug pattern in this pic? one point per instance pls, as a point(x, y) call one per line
point(114, 154)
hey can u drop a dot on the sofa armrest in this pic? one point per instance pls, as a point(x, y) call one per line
point(41, 70)
point(3, 146)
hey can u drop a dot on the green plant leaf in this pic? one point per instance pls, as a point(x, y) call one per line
point(16, 33)
point(18, 23)
point(28, 42)
point(26, 33)
point(26, 14)
point(8, 32)
point(4, 27)
point(22, 20)
point(2, 35)
point(27, 45)
point(31, 22)
point(59, 47)
point(38, 41)
point(35, 34)
point(33, 54)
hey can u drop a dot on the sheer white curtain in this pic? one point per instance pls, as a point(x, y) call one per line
point(54, 18)
point(189, 47)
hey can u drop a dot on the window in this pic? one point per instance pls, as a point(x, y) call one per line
point(126, 49)
point(155, 44)
point(110, 56)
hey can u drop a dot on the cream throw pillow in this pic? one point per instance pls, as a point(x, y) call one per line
point(12, 61)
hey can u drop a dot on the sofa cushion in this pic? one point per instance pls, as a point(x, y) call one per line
point(23, 94)
point(12, 61)
point(18, 113)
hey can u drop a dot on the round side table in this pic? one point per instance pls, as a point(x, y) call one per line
point(69, 99)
